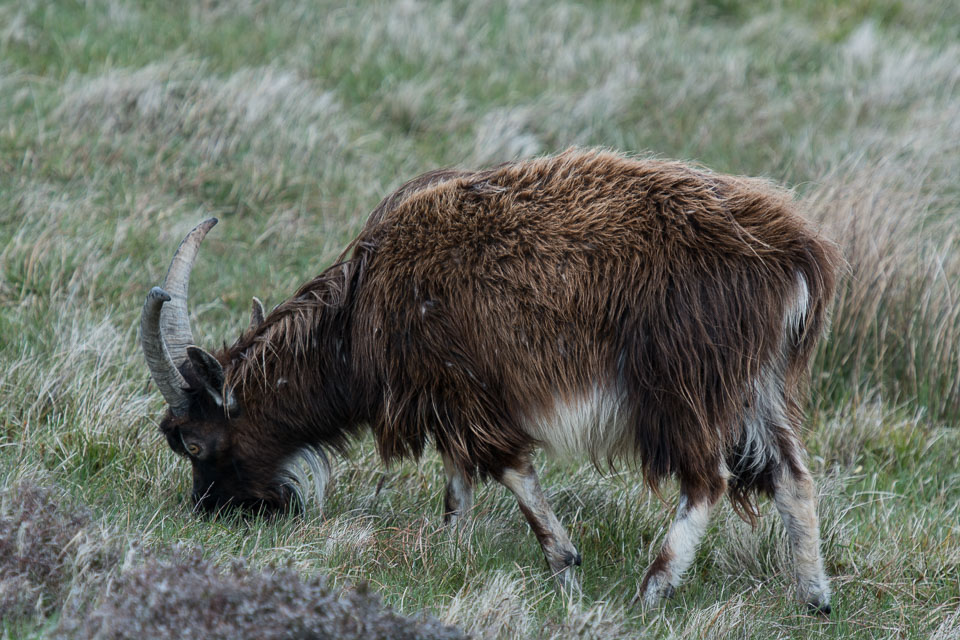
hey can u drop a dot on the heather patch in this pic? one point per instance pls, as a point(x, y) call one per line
point(190, 596)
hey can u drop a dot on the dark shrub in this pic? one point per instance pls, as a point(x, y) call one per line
point(190, 597)
point(55, 559)
point(45, 544)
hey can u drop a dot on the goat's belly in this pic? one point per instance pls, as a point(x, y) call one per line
point(591, 423)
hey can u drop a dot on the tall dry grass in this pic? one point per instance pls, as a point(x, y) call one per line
point(896, 322)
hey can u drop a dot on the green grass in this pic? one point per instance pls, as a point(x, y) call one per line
point(122, 124)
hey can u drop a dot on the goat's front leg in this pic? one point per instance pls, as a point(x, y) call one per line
point(560, 553)
point(458, 498)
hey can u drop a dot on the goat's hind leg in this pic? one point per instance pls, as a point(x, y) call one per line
point(796, 500)
point(680, 546)
point(792, 486)
point(559, 552)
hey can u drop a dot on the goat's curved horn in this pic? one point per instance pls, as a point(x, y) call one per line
point(165, 323)
point(174, 316)
point(162, 368)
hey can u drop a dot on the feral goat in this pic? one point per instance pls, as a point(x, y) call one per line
point(587, 303)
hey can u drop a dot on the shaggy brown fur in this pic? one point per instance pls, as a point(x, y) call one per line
point(473, 304)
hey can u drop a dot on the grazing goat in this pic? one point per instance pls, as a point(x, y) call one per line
point(587, 303)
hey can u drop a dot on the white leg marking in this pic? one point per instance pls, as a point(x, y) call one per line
point(678, 552)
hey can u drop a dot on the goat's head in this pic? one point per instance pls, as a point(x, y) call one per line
point(205, 421)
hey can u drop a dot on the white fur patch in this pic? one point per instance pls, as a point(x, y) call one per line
point(798, 310)
point(681, 544)
point(592, 423)
point(767, 408)
point(310, 470)
point(684, 538)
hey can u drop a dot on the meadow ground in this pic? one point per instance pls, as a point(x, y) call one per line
point(122, 124)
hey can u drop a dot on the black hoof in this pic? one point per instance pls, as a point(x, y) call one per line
point(819, 609)
point(573, 559)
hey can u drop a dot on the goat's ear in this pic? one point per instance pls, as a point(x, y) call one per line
point(256, 314)
point(210, 372)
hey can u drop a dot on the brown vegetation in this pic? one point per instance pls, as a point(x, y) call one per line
point(53, 556)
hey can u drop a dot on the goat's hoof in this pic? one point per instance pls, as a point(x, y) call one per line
point(655, 589)
point(819, 609)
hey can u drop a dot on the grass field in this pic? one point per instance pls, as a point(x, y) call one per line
point(123, 124)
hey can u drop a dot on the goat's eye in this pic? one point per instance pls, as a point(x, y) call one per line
point(193, 449)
